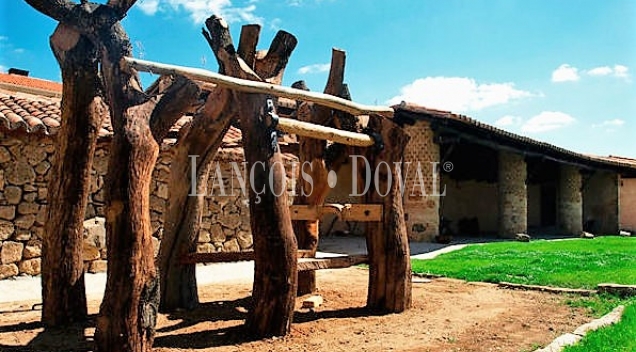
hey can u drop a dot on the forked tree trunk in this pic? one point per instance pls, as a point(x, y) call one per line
point(387, 241)
point(275, 247)
point(127, 316)
point(182, 222)
point(63, 293)
point(319, 161)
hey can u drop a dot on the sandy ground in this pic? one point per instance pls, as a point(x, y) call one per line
point(447, 315)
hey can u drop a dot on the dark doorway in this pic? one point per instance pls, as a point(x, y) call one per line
point(548, 205)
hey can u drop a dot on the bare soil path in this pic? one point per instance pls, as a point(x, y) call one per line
point(447, 315)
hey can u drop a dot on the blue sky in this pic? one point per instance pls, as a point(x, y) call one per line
point(557, 71)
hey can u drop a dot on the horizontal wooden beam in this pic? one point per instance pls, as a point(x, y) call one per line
point(345, 212)
point(230, 257)
point(309, 264)
point(311, 130)
point(198, 74)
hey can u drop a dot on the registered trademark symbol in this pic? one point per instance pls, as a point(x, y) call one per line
point(448, 166)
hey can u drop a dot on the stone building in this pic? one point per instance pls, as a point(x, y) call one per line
point(487, 181)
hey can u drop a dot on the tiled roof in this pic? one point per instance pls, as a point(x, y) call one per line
point(19, 83)
point(29, 114)
point(451, 120)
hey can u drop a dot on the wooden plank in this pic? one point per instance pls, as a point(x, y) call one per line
point(345, 212)
point(229, 257)
point(247, 86)
point(307, 264)
point(307, 129)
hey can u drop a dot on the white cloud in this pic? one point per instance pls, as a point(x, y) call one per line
point(609, 125)
point(621, 71)
point(618, 71)
point(547, 121)
point(565, 73)
point(275, 24)
point(508, 120)
point(458, 94)
point(199, 10)
point(600, 71)
point(315, 68)
point(149, 7)
point(3, 68)
point(3, 38)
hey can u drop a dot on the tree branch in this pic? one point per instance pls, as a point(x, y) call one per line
point(247, 43)
point(181, 95)
point(121, 6)
point(58, 10)
point(272, 66)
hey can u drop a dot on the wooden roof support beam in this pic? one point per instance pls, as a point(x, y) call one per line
point(309, 264)
point(247, 86)
point(311, 130)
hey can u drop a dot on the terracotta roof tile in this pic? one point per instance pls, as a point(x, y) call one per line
point(35, 85)
point(447, 116)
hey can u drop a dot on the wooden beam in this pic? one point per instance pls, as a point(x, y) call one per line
point(307, 129)
point(229, 257)
point(247, 86)
point(308, 264)
point(345, 212)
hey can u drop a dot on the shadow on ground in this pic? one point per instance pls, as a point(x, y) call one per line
point(71, 339)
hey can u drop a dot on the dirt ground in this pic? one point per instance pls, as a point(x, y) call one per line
point(447, 315)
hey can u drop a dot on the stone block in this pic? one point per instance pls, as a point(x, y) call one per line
point(25, 221)
point(42, 168)
point(244, 239)
point(20, 173)
point(156, 244)
point(7, 212)
point(4, 155)
point(162, 191)
point(204, 236)
point(95, 232)
point(28, 208)
point(30, 266)
point(11, 252)
point(22, 235)
point(6, 230)
point(1, 179)
point(231, 246)
point(30, 194)
point(98, 266)
point(32, 251)
point(13, 194)
point(90, 253)
point(8, 270)
point(231, 221)
point(206, 248)
point(216, 230)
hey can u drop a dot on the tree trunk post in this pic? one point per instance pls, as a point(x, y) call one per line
point(63, 292)
point(275, 247)
point(387, 241)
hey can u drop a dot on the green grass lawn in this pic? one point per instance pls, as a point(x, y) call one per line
point(576, 263)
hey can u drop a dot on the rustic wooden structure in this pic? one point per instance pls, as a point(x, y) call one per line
point(90, 37)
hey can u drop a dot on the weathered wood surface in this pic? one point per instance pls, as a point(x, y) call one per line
point(312, 264)
point(63, 291)
point(387, 241)
point(311, 130)
point(275, 262)
point(247, 86)
point(344, 212)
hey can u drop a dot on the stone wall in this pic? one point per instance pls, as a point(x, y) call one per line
point(570, 201)
point(422, 208)
point(628, 204)
point(600, 203)
point(25, 161)
point(513, 195)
